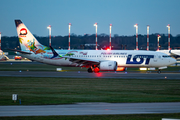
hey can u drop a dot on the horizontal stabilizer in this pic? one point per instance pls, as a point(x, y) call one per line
point(20, 51)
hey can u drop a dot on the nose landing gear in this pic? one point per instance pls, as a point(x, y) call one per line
point(159, 71)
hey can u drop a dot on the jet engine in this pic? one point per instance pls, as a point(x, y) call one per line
point(108, 66)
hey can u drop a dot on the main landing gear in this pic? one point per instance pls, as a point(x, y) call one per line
point(90, 70)
point(94, 69)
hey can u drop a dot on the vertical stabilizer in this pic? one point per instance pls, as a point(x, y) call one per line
point(27, 41)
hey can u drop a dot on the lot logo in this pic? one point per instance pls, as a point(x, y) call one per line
point(23, 32)
point(139, 59)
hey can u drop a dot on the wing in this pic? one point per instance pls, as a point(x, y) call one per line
point(82, 61)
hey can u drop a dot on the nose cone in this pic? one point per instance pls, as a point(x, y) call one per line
point(172, 61)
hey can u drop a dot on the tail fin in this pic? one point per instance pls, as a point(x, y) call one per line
point(27, 41)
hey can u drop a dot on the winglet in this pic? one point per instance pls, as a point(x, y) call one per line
point(55, 54)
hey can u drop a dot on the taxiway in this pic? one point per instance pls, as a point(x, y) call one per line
point(84, 74)
point(90, 109)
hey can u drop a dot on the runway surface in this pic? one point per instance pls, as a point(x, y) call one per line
point(90, 109)
point(83, 74)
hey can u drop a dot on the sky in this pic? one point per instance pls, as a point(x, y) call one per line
point(82, 14)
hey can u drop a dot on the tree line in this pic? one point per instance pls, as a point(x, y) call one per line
point(81, 42)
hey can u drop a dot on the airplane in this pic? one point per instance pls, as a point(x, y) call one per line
point(94, 60)
point(3, 56)
point(172, 53)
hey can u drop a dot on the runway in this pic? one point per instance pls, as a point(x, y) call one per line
point(84, 74)
point(90, 109)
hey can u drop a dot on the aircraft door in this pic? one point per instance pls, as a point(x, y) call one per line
point(155, 58)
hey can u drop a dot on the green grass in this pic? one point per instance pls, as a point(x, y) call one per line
point(40, 91)
point(98, 117)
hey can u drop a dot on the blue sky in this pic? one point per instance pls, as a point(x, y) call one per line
point(82, 14)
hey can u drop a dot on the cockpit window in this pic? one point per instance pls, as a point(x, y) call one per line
point(166, 56)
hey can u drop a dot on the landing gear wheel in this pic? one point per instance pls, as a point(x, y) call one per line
point(159, 71)
point(89, 70)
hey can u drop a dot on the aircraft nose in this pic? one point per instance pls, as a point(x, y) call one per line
point(173, 61)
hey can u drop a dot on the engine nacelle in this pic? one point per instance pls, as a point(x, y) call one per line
point(108, 66)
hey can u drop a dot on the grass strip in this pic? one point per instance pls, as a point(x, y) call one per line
point(42, 91)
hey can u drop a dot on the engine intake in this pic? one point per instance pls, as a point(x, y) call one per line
point(108, 66)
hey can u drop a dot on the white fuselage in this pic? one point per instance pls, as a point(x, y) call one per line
point(124, 58)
